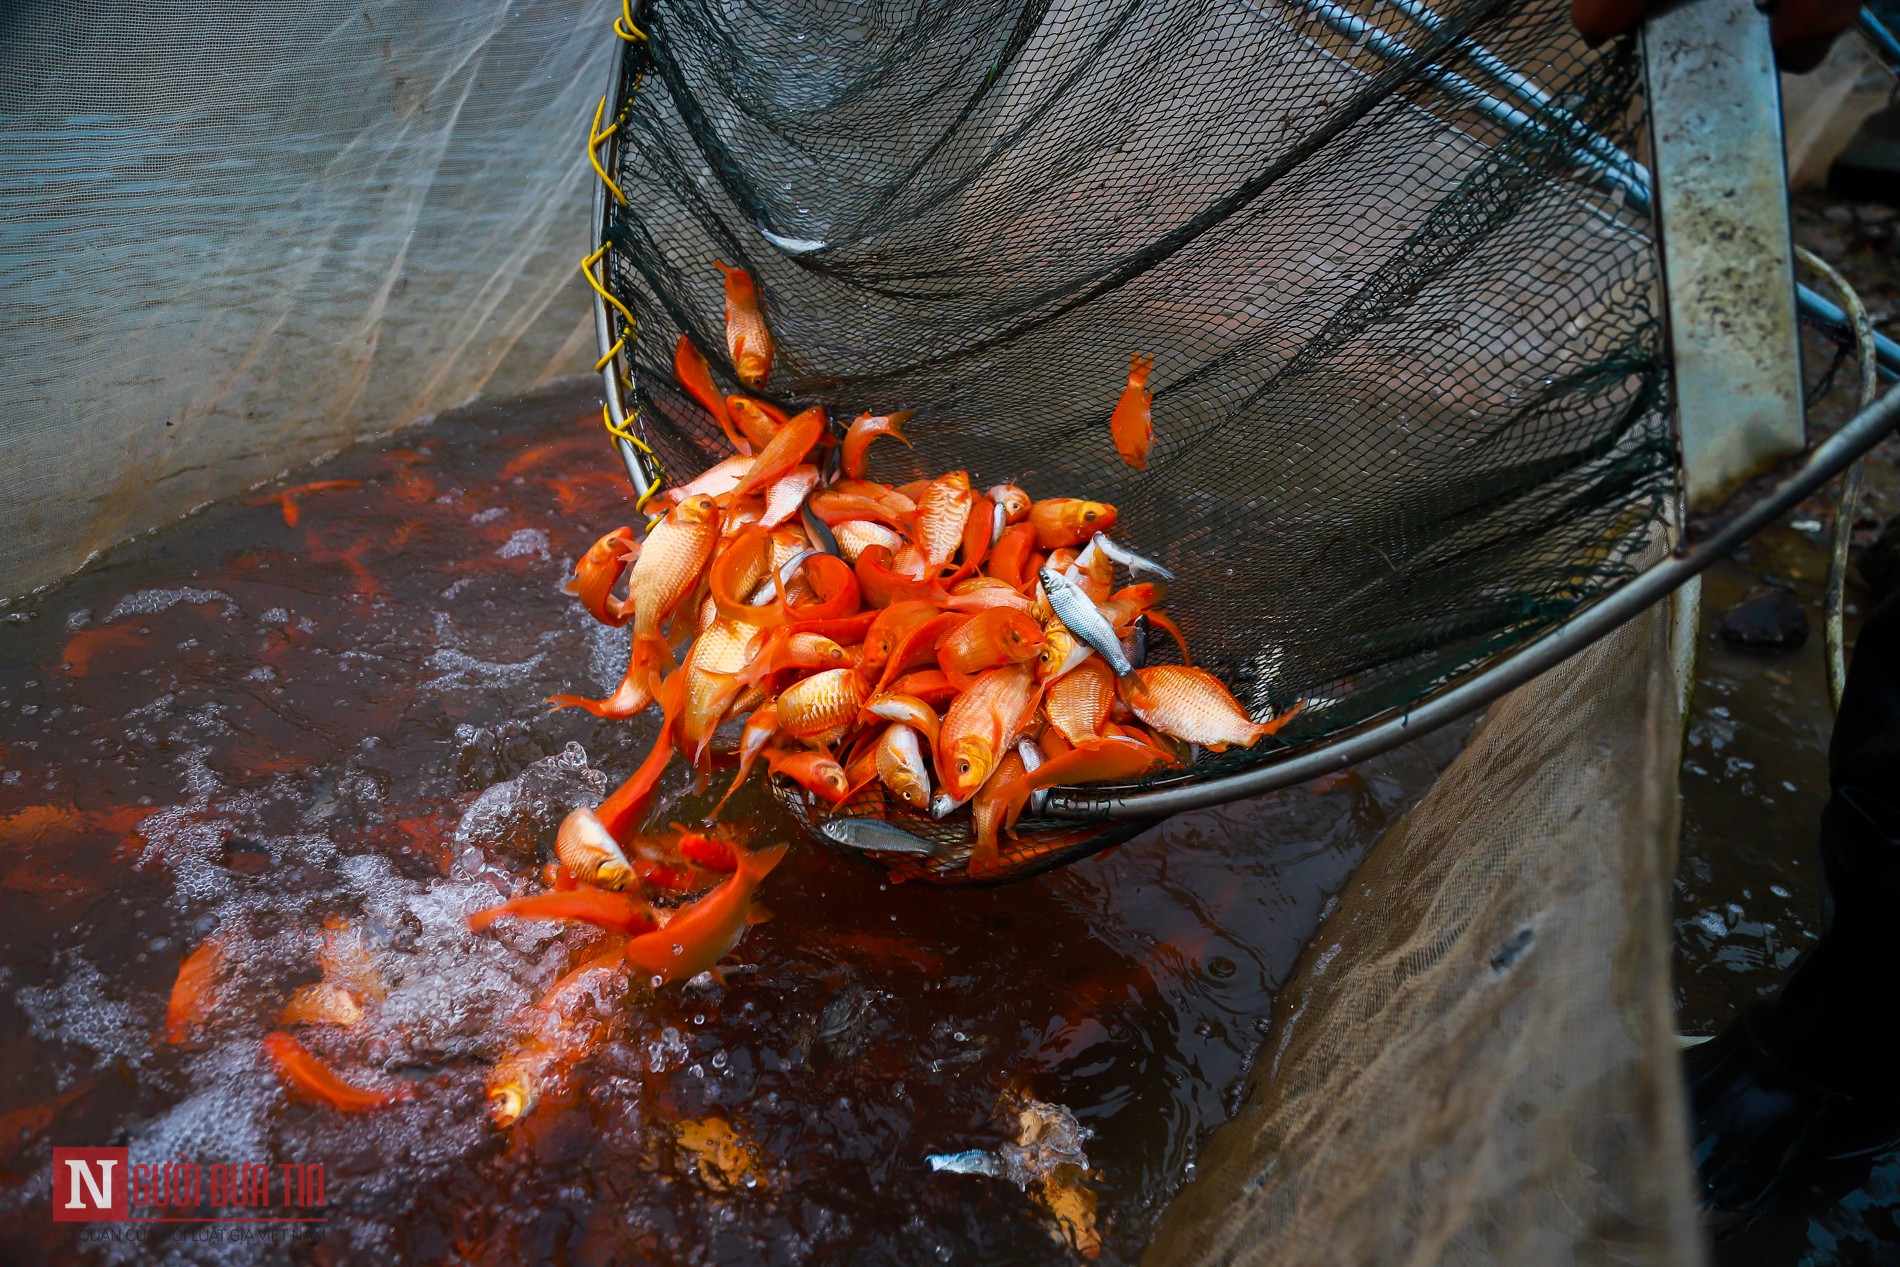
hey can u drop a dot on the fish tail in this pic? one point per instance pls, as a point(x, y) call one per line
point(1278, 723)
point(756, 864)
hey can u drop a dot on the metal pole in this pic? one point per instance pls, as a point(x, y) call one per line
point(1608, 164)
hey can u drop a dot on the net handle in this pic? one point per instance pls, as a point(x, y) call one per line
point(1822, 463)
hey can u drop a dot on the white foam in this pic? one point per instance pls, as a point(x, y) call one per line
point(78, 1011)
point(463, 672)
point(525, 541)
point(149, 602)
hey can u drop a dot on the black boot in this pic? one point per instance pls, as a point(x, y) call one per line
point(1809, 1075)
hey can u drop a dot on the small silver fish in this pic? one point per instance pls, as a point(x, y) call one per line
point(874, 835)
point(1081, 617)
point(1032, 757)
point(999, 520)
point(942, 803)
point(1128, 558)
point(974, 1162)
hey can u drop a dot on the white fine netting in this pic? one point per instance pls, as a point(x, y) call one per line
point(238, 236)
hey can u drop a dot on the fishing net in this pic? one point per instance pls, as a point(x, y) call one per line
point(1409, 399)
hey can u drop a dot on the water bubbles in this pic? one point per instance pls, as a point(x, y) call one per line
point(678, 950)
point(959, 1036)
point(656, 980)
point(1221, 968)
point(699, 1018)
point(697, 1070)
point(719, 1060)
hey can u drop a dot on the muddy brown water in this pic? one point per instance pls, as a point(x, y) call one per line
point(242, 727)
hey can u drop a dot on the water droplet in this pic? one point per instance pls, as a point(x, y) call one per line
point(719, 1060)
point(656, 980)
point(958, 1036)
point(678, 949)
point(1220, 968)
point(699, 1018)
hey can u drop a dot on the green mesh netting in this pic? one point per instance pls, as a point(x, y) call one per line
point(1409, 395)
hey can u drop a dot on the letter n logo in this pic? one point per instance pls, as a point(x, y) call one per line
point(89, 1185)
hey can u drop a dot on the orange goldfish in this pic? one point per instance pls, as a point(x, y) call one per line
point(1061, 651)
point(787, 449)
point(918, 647)
point(712, 680)
point(996, 635)
point(670, 564)
point(759, 728)
point(988, 805)
point(288, 498)
point(599, 571)
point(787, 493)
point(1132, 425)
point(1069, 521)
point(321, 1003)
point(907, 709)
point(615, 912)
point(1193, 705)
point(1091, 761)
point(191, 994)
point(981, 724)
point(629, 699)
point(1078, 702)
point(562, 1028)
point(942, 511)
point(700, 935)
point(813, 770)
point(1014, 501)
point(309, 1077)
point(696, 377)
point(928, 685)
point(901, 764)
point(854, 535)
point(866, 428)
point(748, 342)
point(715, 481)
point(757, 422)
point(1009, 556)
point(590, 853)
point(820, 702)
point(621, 811)
point(715, 853)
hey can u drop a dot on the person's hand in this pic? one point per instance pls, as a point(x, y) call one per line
point(1803, 30)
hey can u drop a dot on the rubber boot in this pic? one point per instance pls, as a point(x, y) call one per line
point(1809, 1075)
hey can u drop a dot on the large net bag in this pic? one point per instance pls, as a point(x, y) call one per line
point(1409, 399)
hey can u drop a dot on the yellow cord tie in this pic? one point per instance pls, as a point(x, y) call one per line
point(624, 27)
point(610, 354)
point(596, 137)
point(587, 271)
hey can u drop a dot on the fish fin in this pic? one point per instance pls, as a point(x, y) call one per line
point(1174, 631)
point(758, 863)
point(757, 913)
point(1273, 727)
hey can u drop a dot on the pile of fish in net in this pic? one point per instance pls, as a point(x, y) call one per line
point(916, 648)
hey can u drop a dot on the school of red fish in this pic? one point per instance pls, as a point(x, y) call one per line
point(915, 648)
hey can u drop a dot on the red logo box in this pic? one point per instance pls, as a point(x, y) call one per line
point(89, 1185)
